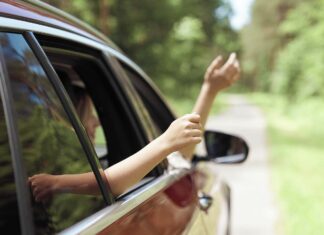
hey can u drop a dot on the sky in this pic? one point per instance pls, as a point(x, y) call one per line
point(241, 10)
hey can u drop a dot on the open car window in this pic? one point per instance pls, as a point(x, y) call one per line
point(122, 131)
point(85, 109)
point(81, 67)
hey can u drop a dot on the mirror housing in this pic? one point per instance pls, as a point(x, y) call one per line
point(224, 148)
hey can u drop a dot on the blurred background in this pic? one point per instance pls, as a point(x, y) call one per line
point(280, 44)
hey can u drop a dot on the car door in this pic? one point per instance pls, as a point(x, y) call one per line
point(165, 201)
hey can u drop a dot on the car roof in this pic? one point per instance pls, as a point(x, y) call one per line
point(41, 13)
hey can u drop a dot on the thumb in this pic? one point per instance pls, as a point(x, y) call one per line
point(194, 117)
point(231, 59)
point(215, 64)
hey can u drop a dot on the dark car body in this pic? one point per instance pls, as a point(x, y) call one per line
point(40, 130)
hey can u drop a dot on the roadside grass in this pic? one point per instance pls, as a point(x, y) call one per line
point(296, 139)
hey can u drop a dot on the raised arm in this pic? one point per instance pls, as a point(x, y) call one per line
point(218, 76)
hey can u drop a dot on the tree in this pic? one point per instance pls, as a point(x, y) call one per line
point(172, 40)
point(262, 40)
point(299, 69)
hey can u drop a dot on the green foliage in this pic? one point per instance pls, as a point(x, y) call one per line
point(299, 69)
point(284, 49)
point(173, 40)
point(261, 41)
point(178, 37)
point(296, 157)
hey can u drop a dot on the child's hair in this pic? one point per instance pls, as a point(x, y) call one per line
point(77, 93)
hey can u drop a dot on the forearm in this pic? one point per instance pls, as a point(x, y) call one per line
point(202, 107)
point(204, 102)
point(132, 169)
point(84, 183)
point(217, 77)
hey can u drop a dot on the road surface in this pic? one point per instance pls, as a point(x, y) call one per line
point(253, 207)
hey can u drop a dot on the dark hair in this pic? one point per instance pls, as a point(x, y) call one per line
point(77, 94)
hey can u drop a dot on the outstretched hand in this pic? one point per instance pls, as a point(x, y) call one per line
point(43, 186)
point(182, 132)
point(220, 75)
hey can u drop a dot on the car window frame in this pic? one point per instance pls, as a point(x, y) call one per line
point(68, 108)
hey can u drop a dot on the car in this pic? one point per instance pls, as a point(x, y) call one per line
point(40, 48)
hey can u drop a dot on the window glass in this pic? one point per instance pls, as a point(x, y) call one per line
point(49, 143)
point(9, 215)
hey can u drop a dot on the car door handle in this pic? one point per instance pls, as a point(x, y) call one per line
point(205, 201)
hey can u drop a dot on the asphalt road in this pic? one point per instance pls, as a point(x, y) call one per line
point(253, 205)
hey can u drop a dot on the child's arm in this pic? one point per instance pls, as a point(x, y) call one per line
point(44, 186)
point(217, 77)
point(183, 131)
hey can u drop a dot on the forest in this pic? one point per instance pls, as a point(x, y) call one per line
point(174, 40)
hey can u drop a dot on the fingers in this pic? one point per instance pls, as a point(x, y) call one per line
point(195, 133)
point(237, 66)
point(220, 75)
point(184, 131)
point(231, 72)
point(217, 63)
point(232, 68)
point(196, 140)
point(43, 195)
point(231, 59)
point(192, 117)
point(41, 189)
point(192, 125)
point(232, 62)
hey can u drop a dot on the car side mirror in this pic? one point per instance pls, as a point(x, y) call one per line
point(224, 148)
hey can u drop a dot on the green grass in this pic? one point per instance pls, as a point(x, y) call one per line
point(296, 138)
